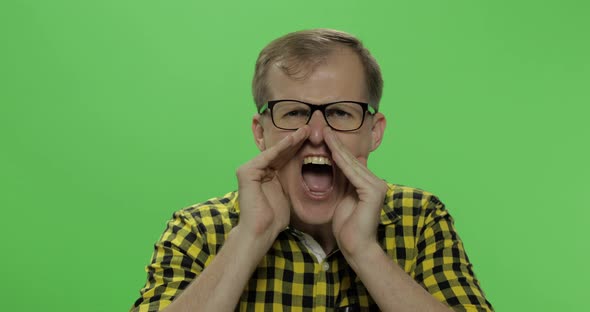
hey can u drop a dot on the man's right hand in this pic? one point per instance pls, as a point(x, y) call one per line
point(264, 206)
point(264, 212)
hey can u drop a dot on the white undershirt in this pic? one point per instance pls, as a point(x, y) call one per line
point(312, 245)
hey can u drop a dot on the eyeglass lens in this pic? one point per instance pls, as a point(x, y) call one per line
point(340, 116)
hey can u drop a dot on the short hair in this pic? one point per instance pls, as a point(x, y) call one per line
point(298, 53)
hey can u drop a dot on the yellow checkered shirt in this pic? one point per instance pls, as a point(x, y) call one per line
point(416, 231)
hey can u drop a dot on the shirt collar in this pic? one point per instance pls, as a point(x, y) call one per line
point(388, 215)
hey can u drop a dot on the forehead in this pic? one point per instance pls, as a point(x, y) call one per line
point(337, 76)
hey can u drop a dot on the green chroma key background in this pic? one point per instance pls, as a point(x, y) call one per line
point(114, 114)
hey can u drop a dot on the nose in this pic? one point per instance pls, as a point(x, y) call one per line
point(317, 123)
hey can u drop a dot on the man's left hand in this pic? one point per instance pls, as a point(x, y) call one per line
point(356, 219)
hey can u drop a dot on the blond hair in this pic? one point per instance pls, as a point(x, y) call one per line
point(297, 54)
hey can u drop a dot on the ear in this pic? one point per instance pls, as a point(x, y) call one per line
point(377, 130)
point(258, 132)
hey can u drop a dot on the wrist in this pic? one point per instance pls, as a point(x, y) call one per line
point(363, 256)
point(254, 242)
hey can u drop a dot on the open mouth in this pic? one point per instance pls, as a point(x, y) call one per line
point(318, 175)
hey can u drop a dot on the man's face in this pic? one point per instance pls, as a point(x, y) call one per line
point(316, 190)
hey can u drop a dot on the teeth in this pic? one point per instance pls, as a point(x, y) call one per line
point(317, 160)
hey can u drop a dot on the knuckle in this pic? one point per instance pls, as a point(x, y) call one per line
point(241, 171)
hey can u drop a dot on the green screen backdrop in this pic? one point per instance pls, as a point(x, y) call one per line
point(114, 114)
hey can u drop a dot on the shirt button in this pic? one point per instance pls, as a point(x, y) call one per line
point(325, 266)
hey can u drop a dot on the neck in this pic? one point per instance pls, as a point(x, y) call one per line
point(321, 233)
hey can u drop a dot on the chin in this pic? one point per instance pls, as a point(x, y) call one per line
point(309, 212)
point(306, 210)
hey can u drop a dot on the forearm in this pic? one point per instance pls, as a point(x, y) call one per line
point(220, 285)
point(390, 286)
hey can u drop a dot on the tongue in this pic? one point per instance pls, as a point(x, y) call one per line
point(318, 180)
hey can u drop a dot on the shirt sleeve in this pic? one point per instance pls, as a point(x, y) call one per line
point(442, 266)
point(179, 255)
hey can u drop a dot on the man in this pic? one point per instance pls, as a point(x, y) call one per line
point(311, 227)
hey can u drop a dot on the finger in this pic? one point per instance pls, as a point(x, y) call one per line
point(362, 160)
point(356, 171)
point(299, 138)
point(275, 156)
point(345, 209)
point(366, 184)
point(262, 167)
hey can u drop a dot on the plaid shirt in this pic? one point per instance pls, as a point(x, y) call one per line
point(416, 231)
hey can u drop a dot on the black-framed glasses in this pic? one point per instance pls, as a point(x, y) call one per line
point(340, 116)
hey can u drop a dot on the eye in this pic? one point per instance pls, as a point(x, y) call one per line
point(296, 113)
point(337, 113)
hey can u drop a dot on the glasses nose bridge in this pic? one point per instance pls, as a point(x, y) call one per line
point(313, 109)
